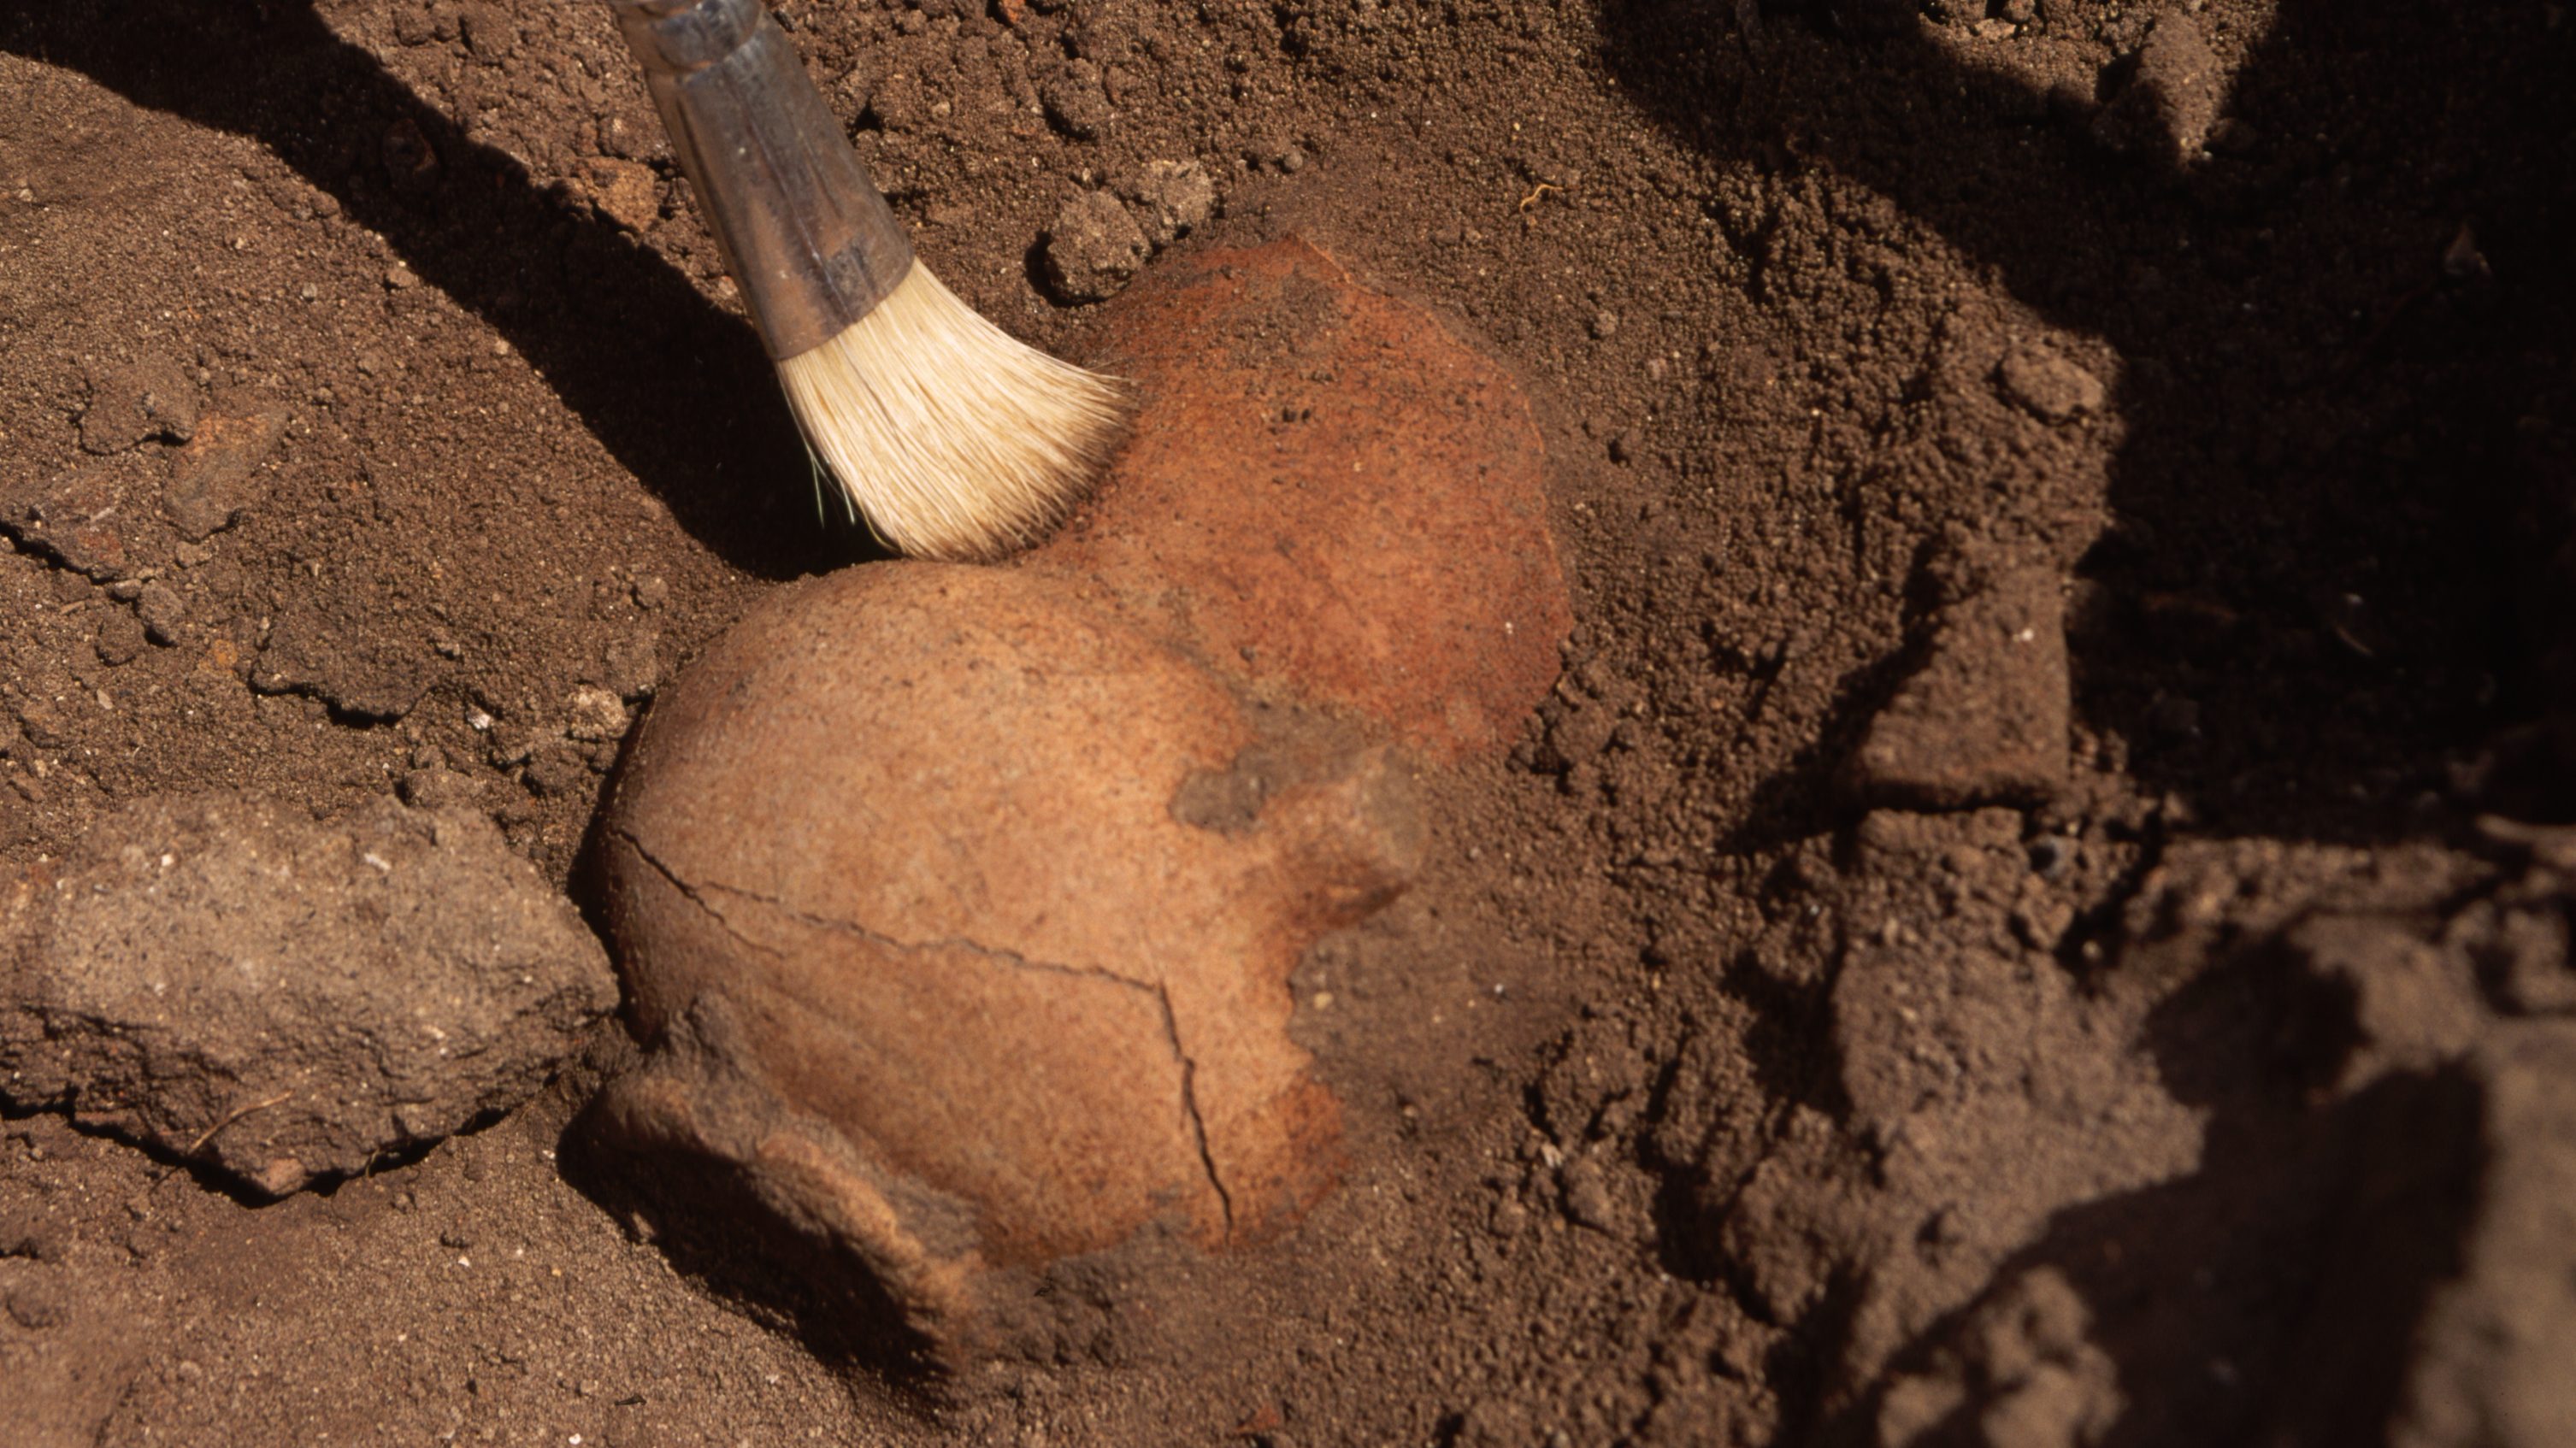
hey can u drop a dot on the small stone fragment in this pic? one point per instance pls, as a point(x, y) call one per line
point(86, 519)
point(2165, 111)
point(1494, 1423)
point(2046, 385)
point(1075, 101)
point(162, 612)
point(629, 137)
point(626, 192)
point(1171, 199)
point(1094, 248)
point(132, 401)
point(231, 982)
point(1984, 720)
point(218, 470)
point(1587, 1199)
point(594, 715)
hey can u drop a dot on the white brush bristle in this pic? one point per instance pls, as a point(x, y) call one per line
point(957, 440)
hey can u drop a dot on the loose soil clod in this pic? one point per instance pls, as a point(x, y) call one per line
point(233, 984)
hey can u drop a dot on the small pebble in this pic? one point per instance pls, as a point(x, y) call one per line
point(1587, 1200)
point(1172, 198)
point(1093, 249)
point(162, 612)
point(595, 714)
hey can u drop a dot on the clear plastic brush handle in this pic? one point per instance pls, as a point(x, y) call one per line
point(805, 232)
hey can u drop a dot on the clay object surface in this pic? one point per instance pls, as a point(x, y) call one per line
point(229, 981)
point(957, 905)
point(1328, 491)
point(958, 914)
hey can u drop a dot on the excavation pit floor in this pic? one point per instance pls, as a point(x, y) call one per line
point(2036, 912)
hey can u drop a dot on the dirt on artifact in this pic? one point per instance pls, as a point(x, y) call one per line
point(2036, 912)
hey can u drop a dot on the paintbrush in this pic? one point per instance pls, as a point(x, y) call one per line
point(955, 439)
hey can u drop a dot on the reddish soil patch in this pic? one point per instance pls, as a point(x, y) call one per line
point(1785, 1044)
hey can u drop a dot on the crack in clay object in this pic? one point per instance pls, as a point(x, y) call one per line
point(697, 894)
point(957, 905)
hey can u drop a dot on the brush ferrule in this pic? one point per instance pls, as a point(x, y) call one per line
point(804, 231)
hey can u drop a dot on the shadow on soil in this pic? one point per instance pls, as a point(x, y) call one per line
point(679, 390)
point(2304, 606)
point(2273, 1295)
point(2331, 332)
point(715, 1231)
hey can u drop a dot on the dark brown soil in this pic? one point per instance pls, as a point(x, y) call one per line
point(1791, 1042)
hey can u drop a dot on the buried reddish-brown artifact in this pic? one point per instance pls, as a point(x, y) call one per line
point(957, 905)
